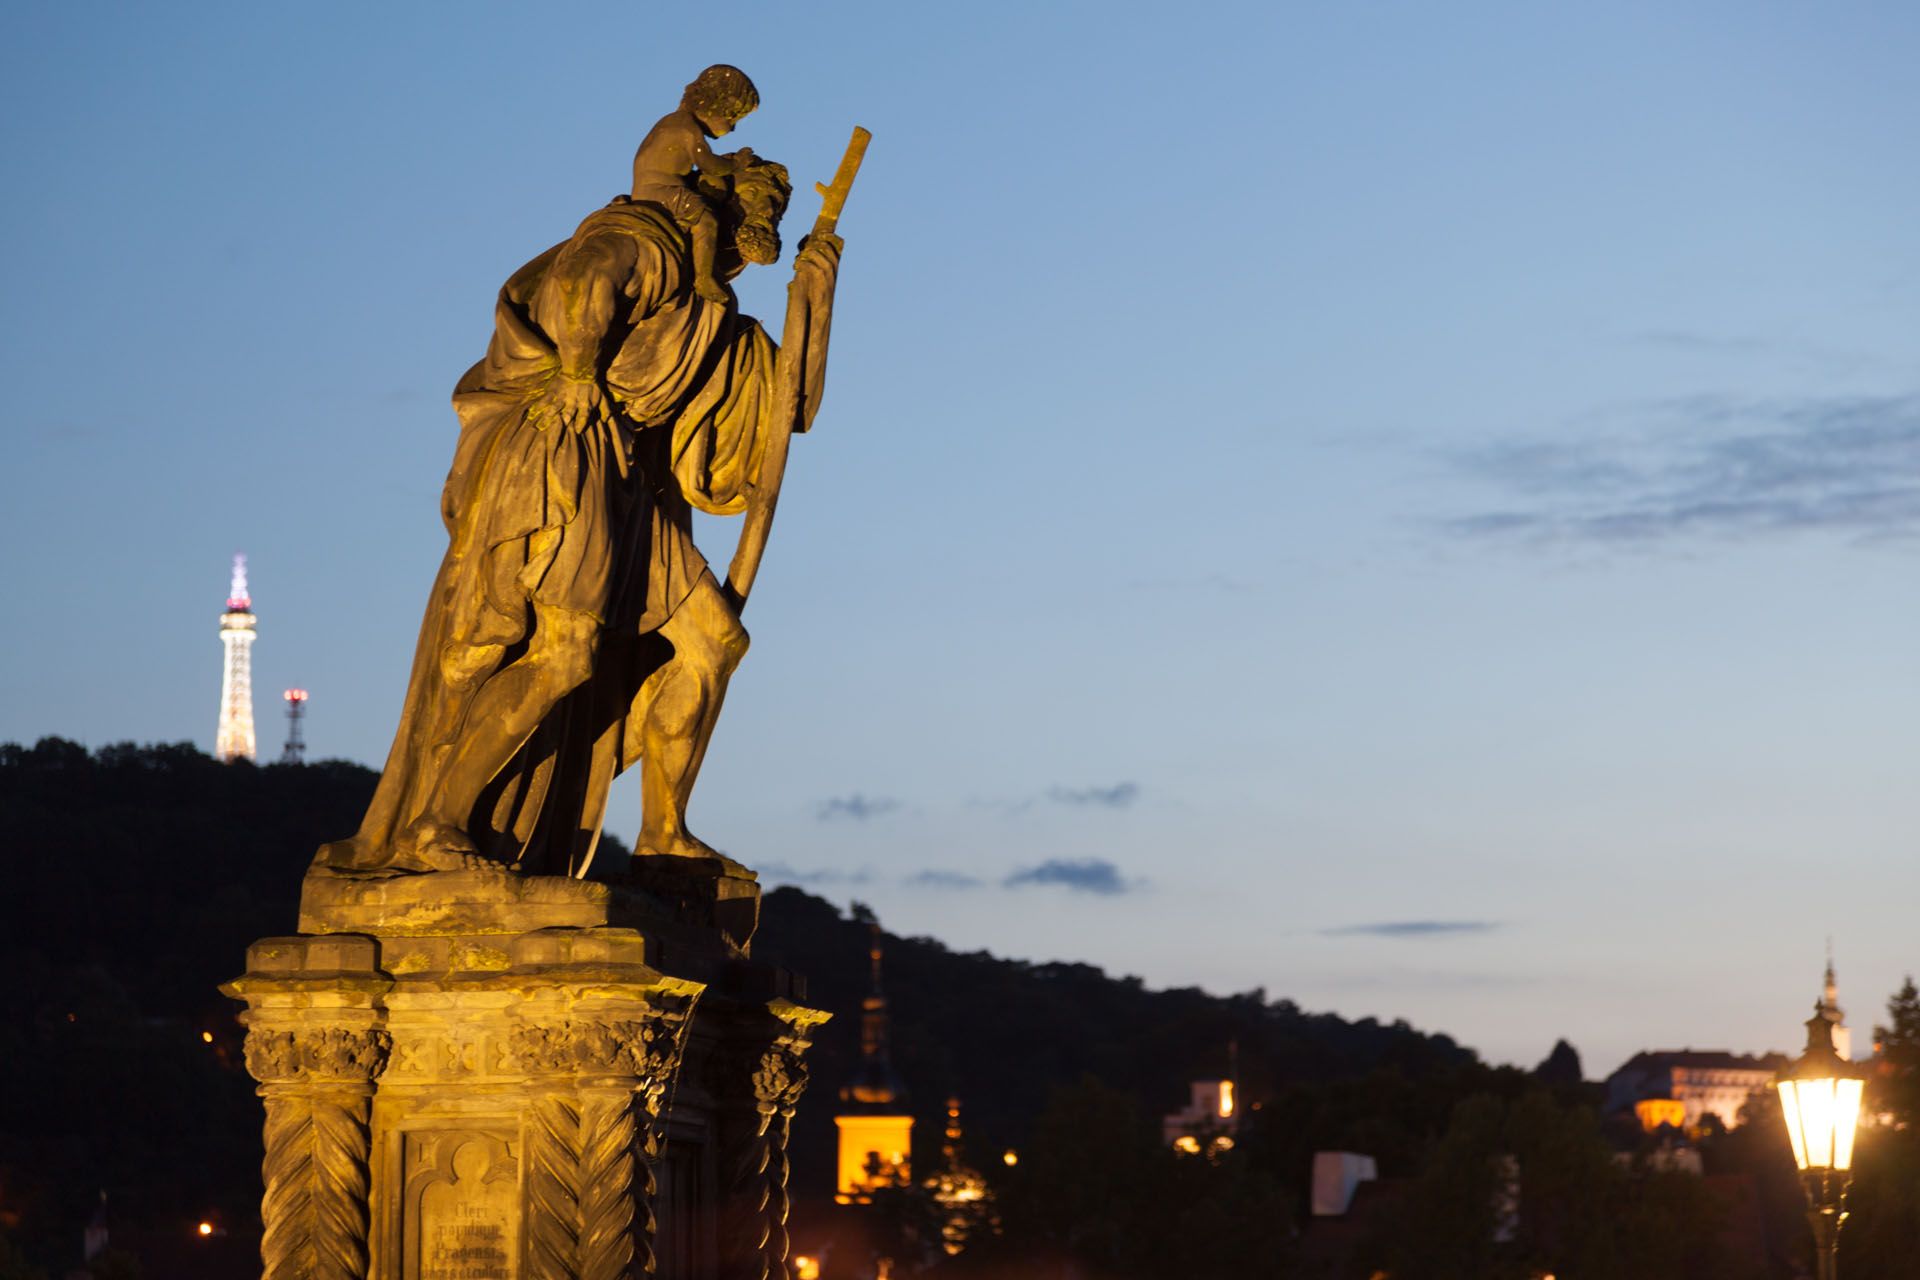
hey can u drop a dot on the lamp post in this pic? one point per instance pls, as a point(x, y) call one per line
point(1820, 1100)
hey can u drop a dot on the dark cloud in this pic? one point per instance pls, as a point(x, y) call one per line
point(1712, 466)
point(1411, 929)
point(1117, 796)
point(1083, 875)
point(822, 876)
point(856, 806)
point(943, 880)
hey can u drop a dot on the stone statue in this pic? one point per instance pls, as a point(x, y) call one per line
point(574, 629)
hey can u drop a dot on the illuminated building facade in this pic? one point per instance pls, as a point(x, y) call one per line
point(1681, 1088)
point(1209, 1120)
point(1656, 1113)
point(876, 1129)
point(1702, 1082)
point(234, 741)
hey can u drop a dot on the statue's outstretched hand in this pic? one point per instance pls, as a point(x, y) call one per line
point(576, 403)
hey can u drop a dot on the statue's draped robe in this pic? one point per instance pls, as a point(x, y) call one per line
point(596, 522)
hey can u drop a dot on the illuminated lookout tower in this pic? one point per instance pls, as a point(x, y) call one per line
point(876, 1133)
point(235, 739)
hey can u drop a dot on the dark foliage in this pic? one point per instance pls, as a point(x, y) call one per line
point(1561, 1067)
point(1528, 1188)
point(135, 878)
point(1003, 1033)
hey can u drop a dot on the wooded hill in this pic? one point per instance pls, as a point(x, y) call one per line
point(135, 877)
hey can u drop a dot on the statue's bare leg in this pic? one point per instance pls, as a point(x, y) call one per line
point(678, 707)
point(705, 234)
point(501, 716)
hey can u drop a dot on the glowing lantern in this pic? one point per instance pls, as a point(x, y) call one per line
point(1820, 1101)
point(206, 1228)
point(806, 1267)
point(1226, 1099)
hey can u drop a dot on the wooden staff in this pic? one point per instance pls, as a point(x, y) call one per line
point(787, 389)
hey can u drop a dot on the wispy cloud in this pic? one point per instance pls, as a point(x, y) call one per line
point(935, 879)
point(1411, 929)
point(1703, 343)
point(819, 876)
point(1083, 875)
point(1117, 796)
point(1711, 466)
point(857, 807)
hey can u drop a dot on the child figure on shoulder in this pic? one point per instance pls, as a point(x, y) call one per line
point(675, 150)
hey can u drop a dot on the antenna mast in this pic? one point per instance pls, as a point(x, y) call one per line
point(295, 751)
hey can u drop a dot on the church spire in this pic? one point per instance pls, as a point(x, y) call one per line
point(1830, 1010)
point(874, 1083)
point(873, 1010)
point(875, 1122)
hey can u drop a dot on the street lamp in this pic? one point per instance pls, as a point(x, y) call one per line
point(1820, 1099)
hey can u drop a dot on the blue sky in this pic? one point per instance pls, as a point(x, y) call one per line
point(1412, 507)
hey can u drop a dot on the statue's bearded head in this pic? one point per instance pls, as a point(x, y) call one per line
point(750, 204)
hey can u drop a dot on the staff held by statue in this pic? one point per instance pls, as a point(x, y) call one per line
point(789, 378)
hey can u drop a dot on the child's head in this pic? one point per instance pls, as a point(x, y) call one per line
point(720, 96)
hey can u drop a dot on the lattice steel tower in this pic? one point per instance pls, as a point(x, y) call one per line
point(235, 739)
point(296, 748)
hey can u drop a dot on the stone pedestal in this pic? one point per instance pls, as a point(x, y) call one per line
point(475, 1076)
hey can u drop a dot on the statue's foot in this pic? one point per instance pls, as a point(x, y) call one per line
point(435, 846)
point(684, 844)
point(713, 291)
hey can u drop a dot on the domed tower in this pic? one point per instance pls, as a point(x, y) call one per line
point(876, 1131)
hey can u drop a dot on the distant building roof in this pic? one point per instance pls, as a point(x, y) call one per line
point(1705, 1080)
point(1703, 1060)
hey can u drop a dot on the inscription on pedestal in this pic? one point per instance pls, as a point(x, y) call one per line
point(463, 1207)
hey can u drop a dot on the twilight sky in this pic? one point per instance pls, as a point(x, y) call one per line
point(1413, 507)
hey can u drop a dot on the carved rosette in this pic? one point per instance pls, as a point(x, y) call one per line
point(590, 1185)
point(317, 1083)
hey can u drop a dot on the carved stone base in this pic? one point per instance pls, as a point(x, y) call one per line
point(490, 1077)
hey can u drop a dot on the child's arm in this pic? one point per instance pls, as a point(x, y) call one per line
point(715, 164)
